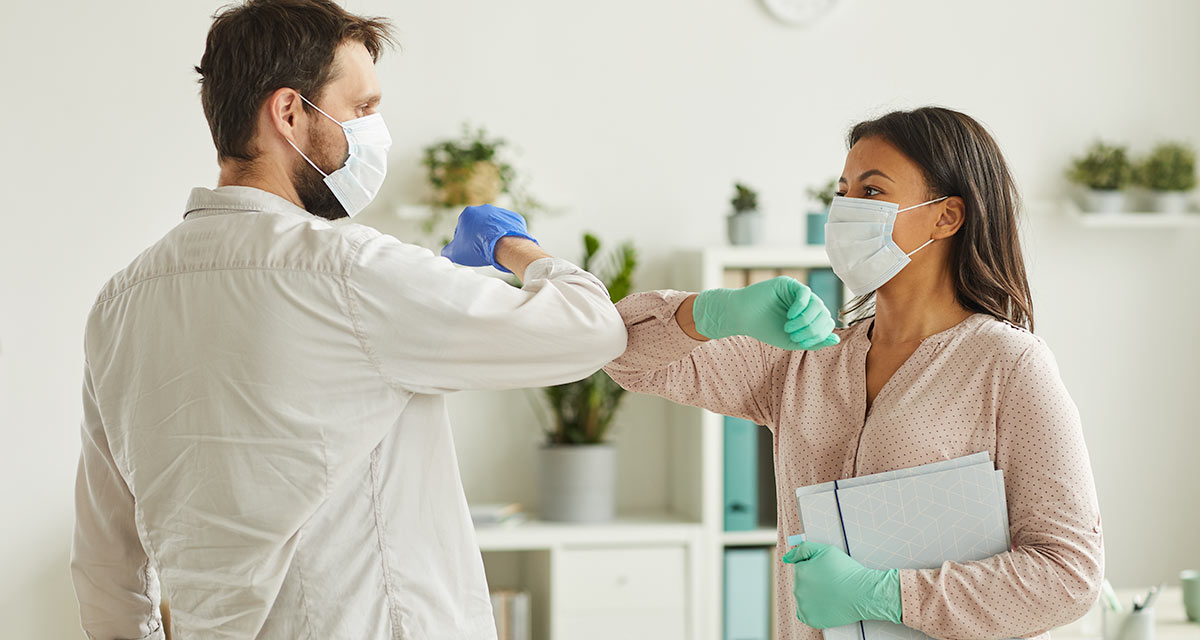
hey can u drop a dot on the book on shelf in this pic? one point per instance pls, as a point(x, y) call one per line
point(511, 610)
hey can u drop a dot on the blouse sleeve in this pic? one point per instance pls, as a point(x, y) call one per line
point(1052, 574)
point(732, 376)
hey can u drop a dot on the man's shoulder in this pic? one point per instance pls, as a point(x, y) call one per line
point(242, 241)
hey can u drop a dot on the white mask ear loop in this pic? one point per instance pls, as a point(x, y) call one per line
point(314, 165)
point(914, 207)
point(920, 247)
point(335, 121)
point(906, 208)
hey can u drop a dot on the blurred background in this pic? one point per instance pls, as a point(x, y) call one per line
point(631, 120)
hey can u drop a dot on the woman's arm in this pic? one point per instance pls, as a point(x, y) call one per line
point(1052, 575)
point(665, 356)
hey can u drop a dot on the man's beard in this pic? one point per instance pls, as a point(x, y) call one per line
point(314, 194)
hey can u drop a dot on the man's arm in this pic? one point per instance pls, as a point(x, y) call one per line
point(431, 327)
point(516, 253)
point(117, 588)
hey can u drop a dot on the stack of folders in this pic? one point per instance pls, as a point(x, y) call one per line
point(491, 515)
point(511, 610)
point(915, 518)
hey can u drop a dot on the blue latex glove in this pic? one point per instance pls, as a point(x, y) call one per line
point(833, 589)
point(478, 231)
point(779, 311)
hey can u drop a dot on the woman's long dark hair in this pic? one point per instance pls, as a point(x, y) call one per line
point(960, 158)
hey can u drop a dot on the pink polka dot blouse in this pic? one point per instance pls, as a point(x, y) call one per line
point(983, 385)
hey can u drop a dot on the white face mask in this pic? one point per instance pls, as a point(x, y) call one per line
point(858, 241)
point(358, 181)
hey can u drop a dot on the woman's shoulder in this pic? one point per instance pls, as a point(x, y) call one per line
point(1000, 339)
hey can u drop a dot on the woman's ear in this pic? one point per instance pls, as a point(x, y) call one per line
point(954, 214)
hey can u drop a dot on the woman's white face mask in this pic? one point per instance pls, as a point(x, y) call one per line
point(858, 241)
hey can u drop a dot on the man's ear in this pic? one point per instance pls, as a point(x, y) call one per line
point(954, 214)
point(283, 109)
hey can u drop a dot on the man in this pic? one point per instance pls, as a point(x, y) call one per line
point(264, 422)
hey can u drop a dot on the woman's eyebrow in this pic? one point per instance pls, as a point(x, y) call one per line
point(874, 172)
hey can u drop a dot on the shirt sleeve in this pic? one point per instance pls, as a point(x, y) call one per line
point(1052, 574)
point(732, 376)
point(432, 327)
point(117, 588)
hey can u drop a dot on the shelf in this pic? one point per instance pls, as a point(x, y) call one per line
point(768, 257)
point(625, 530)
point(1131, 220)
point(763, 536)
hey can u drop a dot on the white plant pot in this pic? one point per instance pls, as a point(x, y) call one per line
point(1104, 201)
point(577, 483)
point(745, 228)
point(1170, 201)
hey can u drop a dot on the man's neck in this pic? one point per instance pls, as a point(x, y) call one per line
point(272, 181)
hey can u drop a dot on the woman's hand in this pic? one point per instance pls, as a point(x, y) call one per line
point(833, 589)
point(780, 312)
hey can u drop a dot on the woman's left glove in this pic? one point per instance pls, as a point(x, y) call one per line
point(832, 589)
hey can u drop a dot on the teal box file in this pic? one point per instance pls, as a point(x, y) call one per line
point(741, 474)
point(828, 288)
point(747, 594)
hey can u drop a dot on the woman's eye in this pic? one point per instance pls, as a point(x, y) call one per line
point(871, 191)
point(840, 194)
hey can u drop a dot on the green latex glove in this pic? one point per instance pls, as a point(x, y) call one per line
point(779, 311)
point(833, 589)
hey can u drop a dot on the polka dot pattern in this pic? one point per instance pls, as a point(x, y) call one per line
point(983, 385)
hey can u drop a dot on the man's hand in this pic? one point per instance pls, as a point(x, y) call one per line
point(478, 231)
point(779, 311)
point(833, 589)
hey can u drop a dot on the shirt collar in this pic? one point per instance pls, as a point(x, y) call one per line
point(230, 199)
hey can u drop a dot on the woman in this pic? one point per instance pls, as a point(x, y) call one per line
point(946, 365)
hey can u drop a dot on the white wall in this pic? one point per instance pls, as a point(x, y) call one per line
point(636, 115)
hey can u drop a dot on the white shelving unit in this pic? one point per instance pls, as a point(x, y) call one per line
point(696, 271)
point(652, 575)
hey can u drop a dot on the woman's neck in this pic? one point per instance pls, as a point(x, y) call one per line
point(912, 309)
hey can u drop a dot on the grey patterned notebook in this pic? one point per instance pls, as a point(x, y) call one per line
point(915, 518)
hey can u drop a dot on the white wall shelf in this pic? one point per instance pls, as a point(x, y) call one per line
point(1131, 220)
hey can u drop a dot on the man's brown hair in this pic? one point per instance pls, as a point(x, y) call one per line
point(258, 47)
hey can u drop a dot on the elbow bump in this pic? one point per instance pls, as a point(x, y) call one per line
point(612, 339)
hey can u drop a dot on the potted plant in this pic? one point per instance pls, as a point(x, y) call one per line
point(1169, 172)
point(745, 223)
point(1104, 171)
point(578, 473)
point(815, 220)
point(467, 170)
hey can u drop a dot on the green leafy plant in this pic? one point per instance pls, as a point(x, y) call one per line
point(1104, 167)
point(584, 410)
point(744, 199)
point(824, 193)
point(467, 170)
point(1169, 167)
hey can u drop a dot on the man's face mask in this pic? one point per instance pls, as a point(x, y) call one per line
point(359, 179)
point(858, 241)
